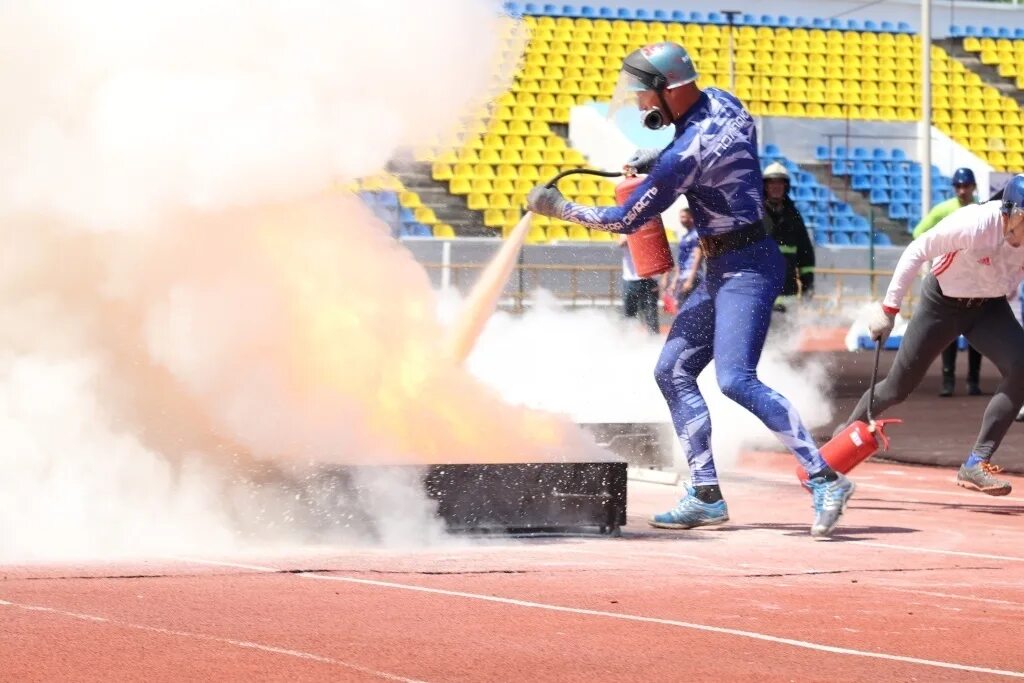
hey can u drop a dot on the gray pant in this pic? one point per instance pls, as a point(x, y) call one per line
point(990, 327)
point(640, 300)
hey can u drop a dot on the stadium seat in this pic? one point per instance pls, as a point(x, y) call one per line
point(882, 239)
point(840, 238)
point(860, 239)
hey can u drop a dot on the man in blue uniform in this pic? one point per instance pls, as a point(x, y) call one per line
point(713, 160)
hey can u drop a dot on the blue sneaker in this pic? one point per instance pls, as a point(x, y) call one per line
point(830, 498)
point(691, 512)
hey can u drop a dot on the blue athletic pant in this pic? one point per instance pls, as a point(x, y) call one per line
point(726, 318)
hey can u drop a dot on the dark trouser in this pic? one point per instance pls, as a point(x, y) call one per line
point(939, 320)
point(949, 363)
point(640, 300)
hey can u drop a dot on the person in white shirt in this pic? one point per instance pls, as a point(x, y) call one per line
point(977, 262)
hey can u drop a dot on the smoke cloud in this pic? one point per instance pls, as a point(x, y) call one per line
point(191, 312)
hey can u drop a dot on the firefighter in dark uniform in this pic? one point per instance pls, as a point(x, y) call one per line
point(784, 223)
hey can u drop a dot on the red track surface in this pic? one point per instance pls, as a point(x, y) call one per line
point(921, 571)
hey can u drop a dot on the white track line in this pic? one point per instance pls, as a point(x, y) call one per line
point(202, 636)
point(980, 498)
point(941, 551)
point(955, 596)
point(753, 635)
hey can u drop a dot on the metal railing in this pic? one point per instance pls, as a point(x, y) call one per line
point(837, 289)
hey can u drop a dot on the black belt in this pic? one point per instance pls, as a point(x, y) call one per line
point(716, 245)
point(973, 302)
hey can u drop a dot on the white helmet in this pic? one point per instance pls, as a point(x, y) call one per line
point(775, 171)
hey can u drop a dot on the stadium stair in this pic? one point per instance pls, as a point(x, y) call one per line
point(990, 73)
point(448, 208)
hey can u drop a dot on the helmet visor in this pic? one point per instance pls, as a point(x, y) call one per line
point(625, 98)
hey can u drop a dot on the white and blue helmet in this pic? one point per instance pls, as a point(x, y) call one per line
point(1013, 196)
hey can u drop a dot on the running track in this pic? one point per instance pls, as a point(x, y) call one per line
point(925, 582)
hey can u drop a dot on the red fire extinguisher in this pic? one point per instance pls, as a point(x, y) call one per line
point(859, 441)
point(649, 245)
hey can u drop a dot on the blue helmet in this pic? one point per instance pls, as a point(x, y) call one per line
point(1013, 195)
point(963, 176)
point(655, 68)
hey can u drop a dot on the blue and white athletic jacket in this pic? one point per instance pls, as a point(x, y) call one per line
point(712, 160)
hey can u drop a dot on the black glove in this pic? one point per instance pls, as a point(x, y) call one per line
point(643, 159)
point(807, 285)
point(547, 201)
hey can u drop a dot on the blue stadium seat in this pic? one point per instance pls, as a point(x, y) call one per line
point(861, 239)
point(853, 25)
point(915, 196)
point(860, 153)
point(900, 196)
point(531, 8)
point(552, 10)
point(1004, 32)
point(821, 237)
point(822, 192)
point(904, 27)
point(955, 31)
point(587, 11)
point(802, 22)
point(841, 223)
point(387, 198)
point(869, 25)
point(859, 224)
point(785, 21)
point(421, 230)
point(805, 208)
point(880, 168)
point(406, 215)
point(662, 15)
point(861, 182)
point(803, 194)
point(767, 20)
point(791, 166)
point(840, 238)
point(511, 8)
point(898, 155)
point(882, 239)
point(818, 22)
point(606, 13)
point(988, 32)
point(915, 181)
point(749, 20)
point(899, 182)
point(624, 13)
point(837, 24)
point(839, 153)
point(879, 181)
point(692, 17)
point(821, 153)
point(641, 14)
point(840, 168)
point(1018, 33)
point(970, 31)
point(898, 212)
point(878, 196)
point(716, 18)
point(879, 154)
point(888, 27)
point(844, 209)
point(772, 150)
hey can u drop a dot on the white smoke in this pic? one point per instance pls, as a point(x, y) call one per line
point(185, 297)
point(596, 367)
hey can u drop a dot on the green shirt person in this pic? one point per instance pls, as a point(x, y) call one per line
point(964, 186)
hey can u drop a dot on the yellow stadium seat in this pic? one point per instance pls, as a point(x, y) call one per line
point(557, 233)
point(460, 186)
point(536, 235)
point(578, 233)
point(494, 218)
point(409, 199)
point(441, 171)
point(477, 201)
point(444, 231)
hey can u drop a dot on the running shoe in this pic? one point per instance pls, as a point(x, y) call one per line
point(830, 498)
point(691, 512)
point(979, 478)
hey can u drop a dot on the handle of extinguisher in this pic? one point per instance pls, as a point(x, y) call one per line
point(871, 389)
point(583, 171)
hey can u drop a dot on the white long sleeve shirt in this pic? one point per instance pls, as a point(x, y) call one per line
point(970, 257)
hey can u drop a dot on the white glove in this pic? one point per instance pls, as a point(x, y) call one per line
point(643, 159)
point(881, 322)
